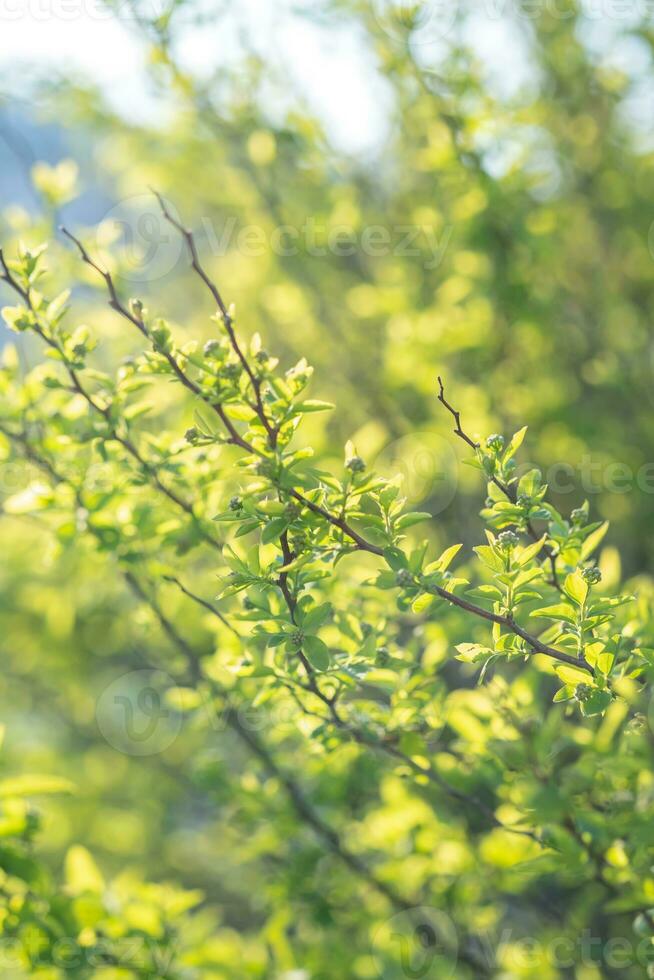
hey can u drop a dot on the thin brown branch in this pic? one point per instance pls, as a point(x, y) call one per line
point(361, 543)
point(202, 602)
point(227, 319)
point(508, 491)
point(148, 469)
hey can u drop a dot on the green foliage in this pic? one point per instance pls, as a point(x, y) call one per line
point(309, 627)
point(357, 716)
point(79, 926)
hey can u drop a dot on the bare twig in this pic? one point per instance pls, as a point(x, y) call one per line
point(197, 266)
point(203, 602)
point(508, 491)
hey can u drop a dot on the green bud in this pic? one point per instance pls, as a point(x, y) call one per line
point(355, 464)
point(211, 348)
point(404, 578)
point(160, 336)
point(508, 540)
point(192, 435)
point(583, 692)
point(591, 575)
point(578, 516)
point(235, 504)
point(495, 443)
point(232, 371)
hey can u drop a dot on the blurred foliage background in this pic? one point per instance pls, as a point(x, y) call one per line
point(494, 226)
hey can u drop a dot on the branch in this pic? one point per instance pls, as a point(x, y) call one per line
point(508, 491)
point(359, 736)
point(196, 265)
point(149, 470)
point(457, 418)
point(202, 602)
point(361, 543)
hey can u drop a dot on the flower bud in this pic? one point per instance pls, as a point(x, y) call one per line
point(355, 464)
point(495, 443)
point(211, 348)
point(404, 578)
point(508, 540)
point(592, 575)
point(232, 371)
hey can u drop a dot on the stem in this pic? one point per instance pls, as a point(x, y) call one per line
point(361, 543)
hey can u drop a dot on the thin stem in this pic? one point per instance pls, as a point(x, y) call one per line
point(197, 266)
point(202, 602)
point(361, 543)
point(508, 491)
point(103, 411)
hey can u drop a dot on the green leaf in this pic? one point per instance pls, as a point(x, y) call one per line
point(576, 588)
point(17, 318)
point(317, 653)
point(408, 520)
point(472, 653)
point(56, 308)
point(33, 785)
point(423, 602)
point(524, 555)
point(313, 405)
point(597, 703)
point(273, 529)
point(489, 558)
point(514, 445)
point(530, 482)
point(444, 561)
point(593, 540)
point(316, 616)
point(572, 675)
point(82, 873)
point(489, 592)
point(559, 611)
point(233, 561)
point(396, 558)
point(240, 413)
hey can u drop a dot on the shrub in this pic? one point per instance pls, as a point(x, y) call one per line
point(332, 608)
